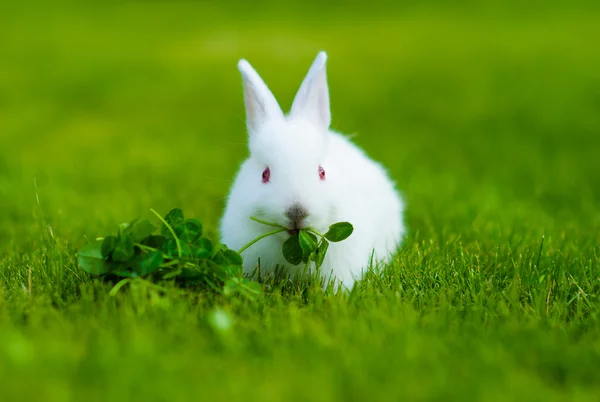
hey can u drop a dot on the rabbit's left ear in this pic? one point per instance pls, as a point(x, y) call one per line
point(312, 99)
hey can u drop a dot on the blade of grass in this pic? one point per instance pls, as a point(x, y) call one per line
point(179, 253)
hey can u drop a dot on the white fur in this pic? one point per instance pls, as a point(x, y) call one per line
point(356, 189)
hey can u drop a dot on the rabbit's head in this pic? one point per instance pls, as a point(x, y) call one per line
point(289, 177)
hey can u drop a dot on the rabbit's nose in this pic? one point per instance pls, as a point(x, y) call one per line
point(296, 213)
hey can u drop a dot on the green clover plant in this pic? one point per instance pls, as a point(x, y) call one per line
point(178, 250)
point(306, 244)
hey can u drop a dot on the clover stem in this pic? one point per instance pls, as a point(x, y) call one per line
point(255, 219)
point(119, 285)
point(148, 248)
point(170, 230)
point(170, 263)
point(314, 232)
point(144, 247)
point(262, 236)
point(308, 261)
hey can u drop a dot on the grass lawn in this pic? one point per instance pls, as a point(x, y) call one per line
point(489, 121)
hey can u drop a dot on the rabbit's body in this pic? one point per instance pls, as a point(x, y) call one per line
point(297, 165)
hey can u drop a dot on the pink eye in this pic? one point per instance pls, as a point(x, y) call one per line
point(321, 173)
point(266, 175)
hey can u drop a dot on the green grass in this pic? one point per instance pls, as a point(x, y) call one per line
point(487, 119)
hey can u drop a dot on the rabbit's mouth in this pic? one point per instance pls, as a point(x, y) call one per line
point(293, 232)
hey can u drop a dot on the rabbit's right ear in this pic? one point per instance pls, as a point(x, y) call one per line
point(260, 103)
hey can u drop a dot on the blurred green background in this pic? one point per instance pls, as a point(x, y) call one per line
point(117, 107)
point(487, 114)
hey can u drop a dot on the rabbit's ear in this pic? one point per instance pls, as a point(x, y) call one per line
point(312, 99)
point(260, 103)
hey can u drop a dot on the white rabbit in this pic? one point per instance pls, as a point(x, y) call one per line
point(302, 174)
